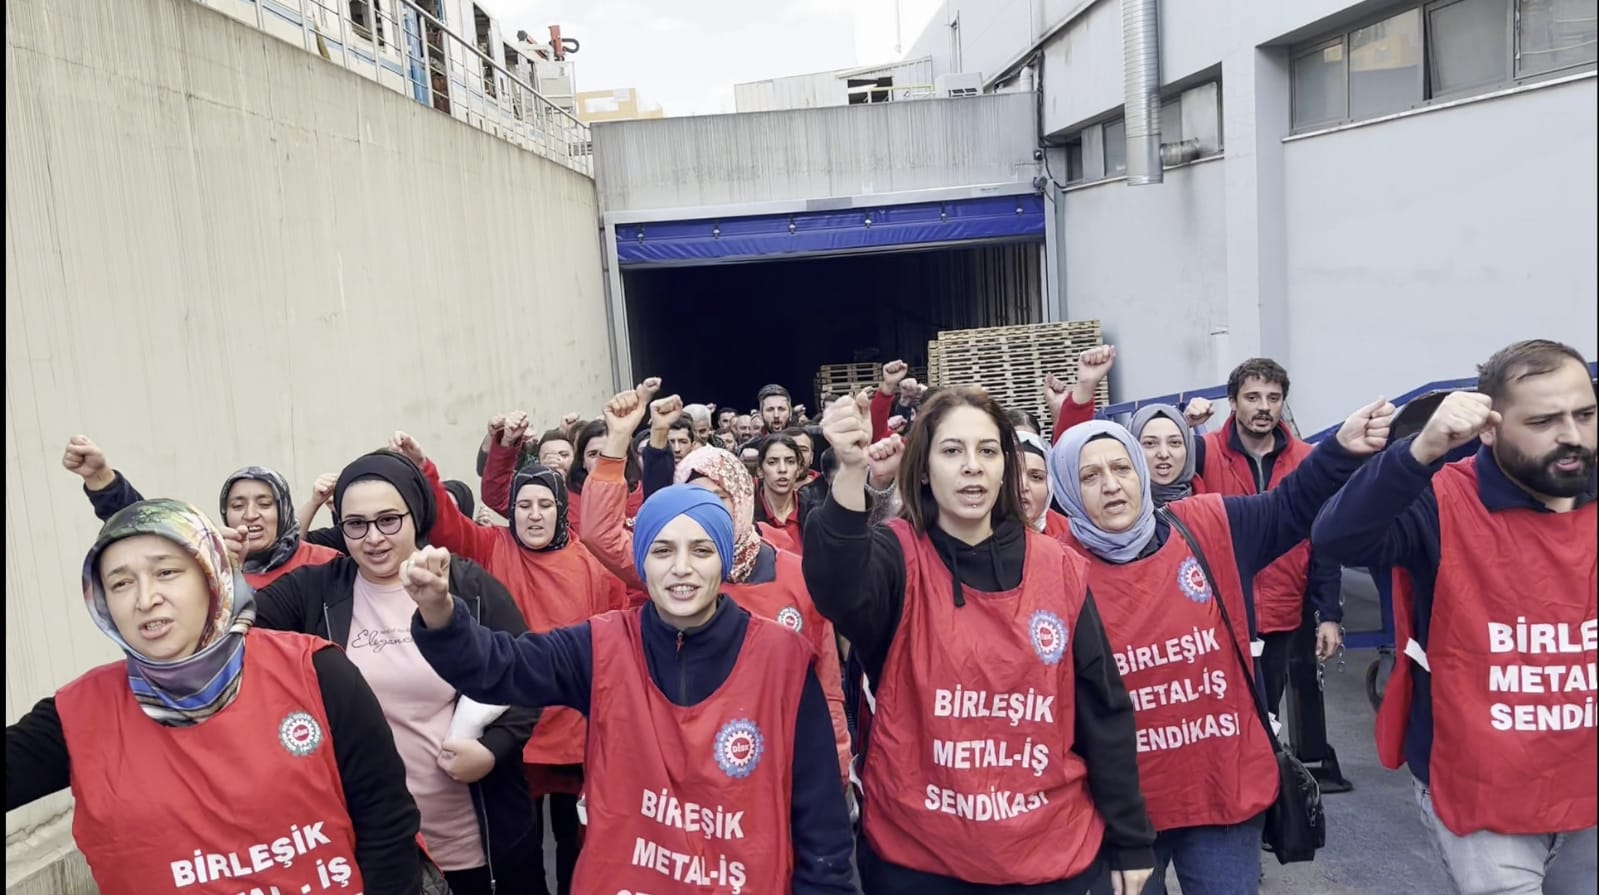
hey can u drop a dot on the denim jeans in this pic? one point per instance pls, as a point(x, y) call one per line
point(1485, 863)
point(1210, 860)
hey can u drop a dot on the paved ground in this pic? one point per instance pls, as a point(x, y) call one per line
point(1375, 843)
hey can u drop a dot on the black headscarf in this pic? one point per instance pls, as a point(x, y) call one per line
point(399, 471)
point(534, 474)
point(287, 537)
point(463, 496)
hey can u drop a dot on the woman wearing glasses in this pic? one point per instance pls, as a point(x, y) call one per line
point(477, 816)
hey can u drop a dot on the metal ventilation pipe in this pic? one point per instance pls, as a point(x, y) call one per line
point(1141, 90)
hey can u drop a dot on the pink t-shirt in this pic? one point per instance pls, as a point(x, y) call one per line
point(419, 706)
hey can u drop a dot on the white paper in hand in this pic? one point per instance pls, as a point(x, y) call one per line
point(472, 717)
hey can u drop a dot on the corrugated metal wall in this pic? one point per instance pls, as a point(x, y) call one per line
point(815, 153)
point(222, 250)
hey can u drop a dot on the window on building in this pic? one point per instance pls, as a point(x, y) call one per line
point(1099, 151)
point(1552, 35)
point(1074, 160)
point(1469, 45)
point(1319, 85)
point(366, 16)
point(1442, 49)
point(1171, 120)
point(1116, 148)
point(1385, 66)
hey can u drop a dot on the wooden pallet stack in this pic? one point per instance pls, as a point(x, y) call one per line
point(833, 380)
point(1011, 362)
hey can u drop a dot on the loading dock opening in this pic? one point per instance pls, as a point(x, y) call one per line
point(719, 306)
point(720, 332)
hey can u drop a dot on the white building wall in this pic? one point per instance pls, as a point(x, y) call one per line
point(223, 250)
point(843, 151)
point(1298, 247)
point(1151, 265)
point(1486, 236)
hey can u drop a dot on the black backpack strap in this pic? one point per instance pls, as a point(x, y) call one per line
point(1221, 604)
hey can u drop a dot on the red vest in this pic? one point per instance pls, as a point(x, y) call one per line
point(785, 600)
point(970, 772)
point(246, 800)
point(690, 799)
point(1203, 757)
point(1280, 587)
point(554, 589)
point(777, 537)
point(307, 554)
point(1055, 525)
point(1512, 657)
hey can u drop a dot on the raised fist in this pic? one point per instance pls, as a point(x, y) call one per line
point(1460, 417)
point(402, 443)
point(1365, 432)
point(665, 411)
point(893, 373)
point(85, 459)
point(883, 459)
point(426, 577)
point(847, 426)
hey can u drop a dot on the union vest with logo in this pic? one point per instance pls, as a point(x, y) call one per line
point(1203, 758)
point(1280, 587)
point(254, 789)
point(970, 771)
point(1511, 648)
point(691, 798)
point(786, 601)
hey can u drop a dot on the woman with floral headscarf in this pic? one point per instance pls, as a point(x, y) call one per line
point(713, 714)
point(556, 582)
point(255, 498)
point(761, 578)
point(174, 765)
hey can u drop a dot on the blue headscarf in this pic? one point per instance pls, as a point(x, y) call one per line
point(1117, 546)
point(683, 500)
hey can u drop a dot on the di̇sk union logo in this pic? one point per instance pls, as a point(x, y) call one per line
point(738, 748)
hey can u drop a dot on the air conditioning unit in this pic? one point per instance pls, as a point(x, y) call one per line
point(966, 83)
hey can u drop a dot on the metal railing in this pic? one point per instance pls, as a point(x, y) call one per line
point(404, 47)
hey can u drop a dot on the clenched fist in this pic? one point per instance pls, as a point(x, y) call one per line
point(884, 459)
point(514, 430)
point(1460, 417)
point(403, 443)
point(426, 578)
point(1365, 432)
point(893, 372)
point(847, 426)
point(85, 459)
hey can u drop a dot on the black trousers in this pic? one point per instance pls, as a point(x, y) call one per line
point(567, 831)
point(1274, 668)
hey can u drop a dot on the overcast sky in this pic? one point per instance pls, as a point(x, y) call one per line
point(686, 55)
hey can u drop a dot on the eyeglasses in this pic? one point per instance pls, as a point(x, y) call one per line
point(388, 523)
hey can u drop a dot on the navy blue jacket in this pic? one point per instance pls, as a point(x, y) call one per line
point(557, 668)
point(1324, 577)
point(1387, 516)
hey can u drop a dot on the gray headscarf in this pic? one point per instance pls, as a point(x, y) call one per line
point(1111, 546)
point(1182, 486)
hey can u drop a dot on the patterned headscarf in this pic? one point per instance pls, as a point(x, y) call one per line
point(188, 691)
point(728, 472)
point(534, 474)
point(288, 533)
